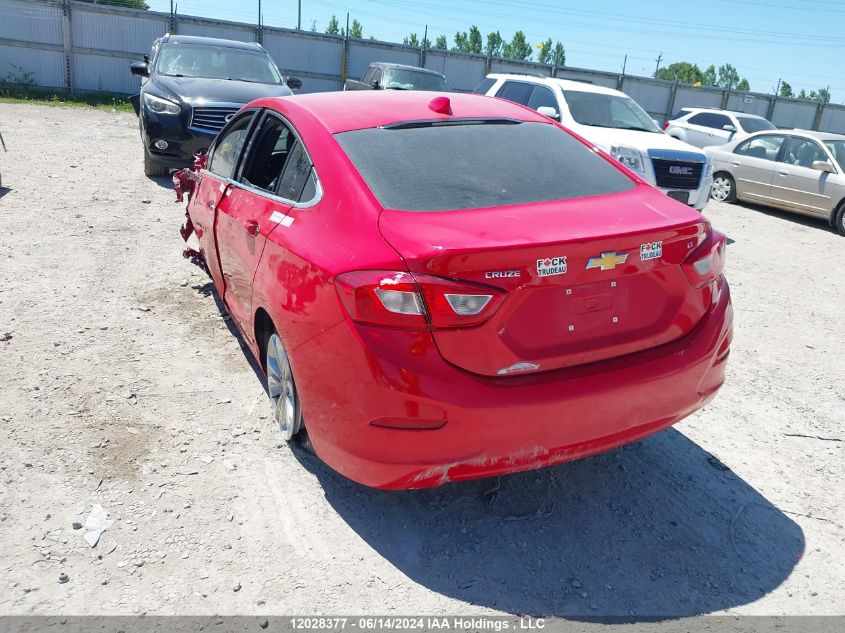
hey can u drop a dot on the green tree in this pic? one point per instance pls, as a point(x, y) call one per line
point(559, 55)
point(743, 85)
point(412, 40)
point(461, 42)
point(822, 94)
point(518, 47)
point(474, 40)
point(441, 42)
point(708, 77)
point(356, 30)
point(785, 90)
point(545, 54)
point(728, 76)
point(802, 94)
point(128, 4)
point(334, 26)
point(683, 72)
point(495, 45)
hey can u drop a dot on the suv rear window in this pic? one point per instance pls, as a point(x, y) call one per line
point(475, 164)
point(484, 86)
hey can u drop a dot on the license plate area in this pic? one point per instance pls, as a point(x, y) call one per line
point(680, 196)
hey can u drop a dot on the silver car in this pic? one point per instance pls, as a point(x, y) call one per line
point(704, 127)
point(795, 170)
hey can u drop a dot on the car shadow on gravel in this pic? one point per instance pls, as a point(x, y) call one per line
point(796, 218)
point(657, 528)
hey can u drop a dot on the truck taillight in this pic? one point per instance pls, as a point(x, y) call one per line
point(415, 301)
point(706, 262)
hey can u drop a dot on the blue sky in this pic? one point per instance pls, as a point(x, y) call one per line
point(798, 40)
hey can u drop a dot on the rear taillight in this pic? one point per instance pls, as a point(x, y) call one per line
point(706, 262)
point(415, 301)
point(666, 125)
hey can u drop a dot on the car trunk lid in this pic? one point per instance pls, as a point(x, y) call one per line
point(586, 279)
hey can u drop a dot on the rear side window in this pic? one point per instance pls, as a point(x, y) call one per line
point(484, 86)
point(228, 147)
point(467, 165)
point(711, 120)
point(516, 91)
point(295, 175)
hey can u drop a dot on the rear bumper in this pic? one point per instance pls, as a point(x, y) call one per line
point(351, 376)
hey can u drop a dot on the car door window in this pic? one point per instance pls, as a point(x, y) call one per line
point(802, 152)
point(705, 119)
point(268, 152)
point(368, 76)
point(766, 147)
point(516, 91)
point(542, 96)
point(228, 147)
point(720, 121)
point(296, 173)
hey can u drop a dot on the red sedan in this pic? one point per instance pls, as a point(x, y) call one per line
point(445, 288)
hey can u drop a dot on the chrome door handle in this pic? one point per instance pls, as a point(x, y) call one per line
point(783, 173)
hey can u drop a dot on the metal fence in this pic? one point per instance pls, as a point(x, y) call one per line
point(79, 46)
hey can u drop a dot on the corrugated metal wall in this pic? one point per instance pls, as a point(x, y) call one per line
point(102, 41)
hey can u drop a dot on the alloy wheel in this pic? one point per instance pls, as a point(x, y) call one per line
point(282, 390)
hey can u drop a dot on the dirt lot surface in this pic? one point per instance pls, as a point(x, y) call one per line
point(121, 384)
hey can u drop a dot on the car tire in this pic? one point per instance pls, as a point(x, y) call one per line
point(152, 168)
point(724, 188)
point(839, 219)
point(281, 388)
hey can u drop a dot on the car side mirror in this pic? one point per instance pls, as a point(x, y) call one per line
point(823, 166)
point(550, 112)
point(294, 83)
point(140, 69)
point(729, 128)
point(375, 84)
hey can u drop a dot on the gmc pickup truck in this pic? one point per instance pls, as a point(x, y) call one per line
point(383, 76)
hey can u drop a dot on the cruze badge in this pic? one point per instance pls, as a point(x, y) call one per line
point(678, 170)
point(607, 261)
point(500, 274)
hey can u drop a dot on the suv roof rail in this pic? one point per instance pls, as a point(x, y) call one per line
point(538, 75)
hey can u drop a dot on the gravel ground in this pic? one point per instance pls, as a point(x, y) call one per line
point(123, 385)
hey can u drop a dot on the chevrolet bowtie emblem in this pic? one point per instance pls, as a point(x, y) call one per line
point(607, 261)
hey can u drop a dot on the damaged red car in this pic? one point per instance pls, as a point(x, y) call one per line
point(443, 288)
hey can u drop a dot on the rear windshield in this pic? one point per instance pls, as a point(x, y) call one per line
point(466, 166)
point(753, 124)
point(408, 79)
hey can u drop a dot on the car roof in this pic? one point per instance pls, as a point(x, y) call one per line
point(361, 109)
point(564, 84)
point(821, 136)
point(213, 41)
point(720, 111)
point(407, 67)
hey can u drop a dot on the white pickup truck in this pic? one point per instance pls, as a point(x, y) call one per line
point(616, 124)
